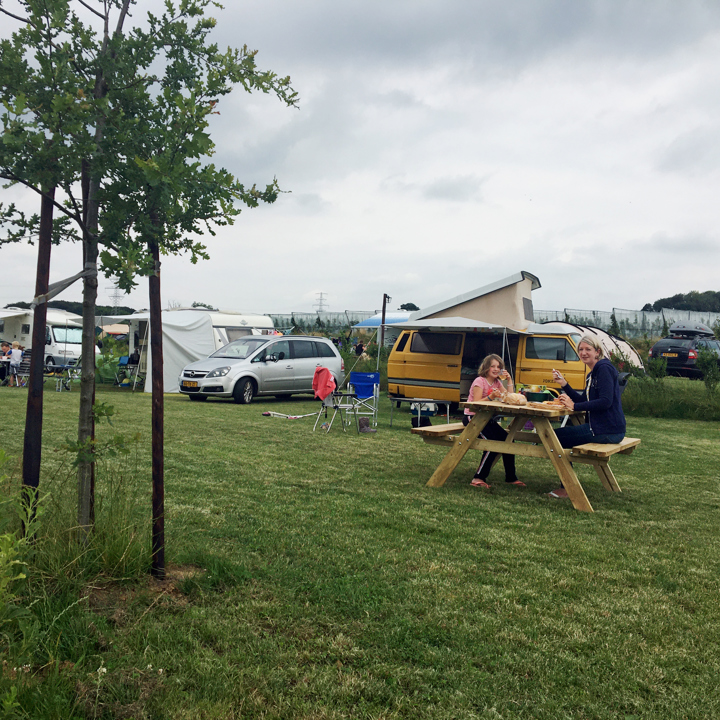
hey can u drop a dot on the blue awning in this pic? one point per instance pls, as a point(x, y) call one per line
point(391, 318)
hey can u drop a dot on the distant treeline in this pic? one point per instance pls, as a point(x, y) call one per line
point(76, 307)
point(708, 301)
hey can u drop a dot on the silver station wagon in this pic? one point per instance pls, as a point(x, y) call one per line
point(261, 365)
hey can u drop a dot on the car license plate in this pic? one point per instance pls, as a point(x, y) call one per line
point(189, 383)
point(669, 354)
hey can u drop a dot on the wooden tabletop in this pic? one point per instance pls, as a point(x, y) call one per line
point(538, 410)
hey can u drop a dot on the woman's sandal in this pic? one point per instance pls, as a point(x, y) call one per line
point(517, 483)
point(477, 482)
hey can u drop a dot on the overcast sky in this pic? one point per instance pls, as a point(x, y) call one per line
point(438, 147)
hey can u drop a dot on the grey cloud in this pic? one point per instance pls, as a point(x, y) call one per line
point(453, 188)
point(704, 247)
point(696, 152)
point(490, 32)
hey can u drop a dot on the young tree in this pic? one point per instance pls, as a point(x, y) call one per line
point(43, 111)
point(145, 188)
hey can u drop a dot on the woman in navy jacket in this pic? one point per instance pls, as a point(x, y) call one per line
point(600, 400)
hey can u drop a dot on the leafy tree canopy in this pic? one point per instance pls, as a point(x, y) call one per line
point(409, 306)
point(708, 301)
point(204, 305)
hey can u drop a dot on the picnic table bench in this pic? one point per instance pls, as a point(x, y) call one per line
point(542, 443)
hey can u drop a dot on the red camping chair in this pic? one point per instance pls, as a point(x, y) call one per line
point(325, 389)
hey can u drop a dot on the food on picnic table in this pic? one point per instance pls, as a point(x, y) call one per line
point(515, 399)
point(549, 404)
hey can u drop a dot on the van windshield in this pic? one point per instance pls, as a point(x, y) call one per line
point(70, 335)
point(240, 349)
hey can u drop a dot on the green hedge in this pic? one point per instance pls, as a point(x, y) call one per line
point(671, 398)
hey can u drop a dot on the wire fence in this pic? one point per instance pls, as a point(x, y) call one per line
point(327, 321)
point(631, 323)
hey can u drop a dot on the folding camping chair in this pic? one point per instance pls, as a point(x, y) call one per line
point(121, 371)
point(338, 402)
point(365, 394)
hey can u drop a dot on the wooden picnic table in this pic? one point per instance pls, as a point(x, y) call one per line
point(542, 443)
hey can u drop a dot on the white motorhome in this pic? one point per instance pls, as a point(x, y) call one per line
point(63, 334)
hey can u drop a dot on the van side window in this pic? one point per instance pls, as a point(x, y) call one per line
point(303, 348)
point(549, 348)
point(402, 342)
point(324, 350)
point(436, 343)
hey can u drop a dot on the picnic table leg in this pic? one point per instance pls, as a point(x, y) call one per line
point(559, 459)
point(459, 449)
point(607, 478)
point(517, 424)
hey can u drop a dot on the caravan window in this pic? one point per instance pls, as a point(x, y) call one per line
point(67, 334)
point(436, 343)
point(549, 348)
point(236, 333)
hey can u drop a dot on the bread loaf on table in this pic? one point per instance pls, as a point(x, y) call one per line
point(515, 399)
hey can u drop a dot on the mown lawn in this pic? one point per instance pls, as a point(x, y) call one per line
point(315, 576)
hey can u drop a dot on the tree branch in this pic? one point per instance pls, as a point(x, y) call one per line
point(92, 9)
point(121, 18)
point(15, 179)
point(15, 17)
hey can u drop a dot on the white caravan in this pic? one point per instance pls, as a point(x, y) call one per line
point(63, 334)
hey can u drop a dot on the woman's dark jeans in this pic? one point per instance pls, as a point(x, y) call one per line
point(573, 435)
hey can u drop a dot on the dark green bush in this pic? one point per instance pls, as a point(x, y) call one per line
point(657, 368)
point(707, 363)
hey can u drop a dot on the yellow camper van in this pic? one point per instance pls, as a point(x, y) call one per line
point(441, 365)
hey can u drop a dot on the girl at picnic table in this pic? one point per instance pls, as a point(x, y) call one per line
point(487, 386)
point(600, 399)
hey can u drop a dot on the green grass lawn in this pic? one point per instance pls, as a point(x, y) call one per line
point(315, 576)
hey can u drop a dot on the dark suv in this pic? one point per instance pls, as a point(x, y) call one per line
point(680, 349)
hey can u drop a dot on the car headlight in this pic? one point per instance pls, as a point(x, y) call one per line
point(218, 372)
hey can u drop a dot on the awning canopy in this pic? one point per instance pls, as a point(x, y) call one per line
point(391, 318)
point(458, 324)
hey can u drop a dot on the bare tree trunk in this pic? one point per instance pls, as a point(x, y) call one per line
point(158, 463)
point(32, 447)
point(86, 419)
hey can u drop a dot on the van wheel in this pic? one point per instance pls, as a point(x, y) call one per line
point(244, 391)
point(49, 364)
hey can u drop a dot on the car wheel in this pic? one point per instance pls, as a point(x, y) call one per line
point(244, 391)
point(198, 398)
